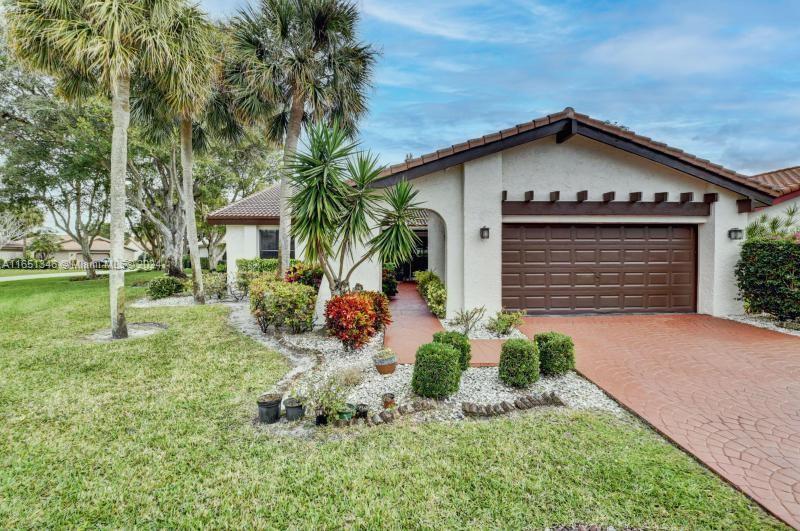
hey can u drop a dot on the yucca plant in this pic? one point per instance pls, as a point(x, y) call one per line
point(294, 61)
point(338, 210)
point(775, 227)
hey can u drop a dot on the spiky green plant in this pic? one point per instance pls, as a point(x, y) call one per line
point(291, 61)
point(338, 209)
point(779, 227)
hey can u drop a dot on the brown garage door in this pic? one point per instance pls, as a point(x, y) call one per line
point(599, 268)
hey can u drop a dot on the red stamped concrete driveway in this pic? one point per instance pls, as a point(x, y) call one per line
point(726, 392)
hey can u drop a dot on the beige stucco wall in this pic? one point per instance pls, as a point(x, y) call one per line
point(468, 197)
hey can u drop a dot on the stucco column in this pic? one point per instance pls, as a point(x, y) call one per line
point(483, 185)
point(717, 258)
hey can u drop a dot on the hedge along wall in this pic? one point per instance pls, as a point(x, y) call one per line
point(768, 275)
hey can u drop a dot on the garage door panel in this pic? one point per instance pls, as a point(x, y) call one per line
point(599, 268)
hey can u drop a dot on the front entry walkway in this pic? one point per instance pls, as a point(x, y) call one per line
point(727, 392)
point(414, 325)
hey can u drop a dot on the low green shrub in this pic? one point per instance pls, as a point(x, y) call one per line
point(437, 371)
point(460, 342)
point(215, 284)
point(389, 282)
point(423, 278)
point(257, 265)
point(504, 322)
point(222, 267)
point(308, 274)
point(436, 297)
point(556, 353)
point(283, 305)
point(161, 287)
point(519, 362)
point(768, 275)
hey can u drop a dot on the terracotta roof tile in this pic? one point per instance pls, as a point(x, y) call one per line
point(604, 126)
point(263, 204)
point(783, 181)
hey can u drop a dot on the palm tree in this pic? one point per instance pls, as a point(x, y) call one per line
point(94, 46)
point(294, 60)
point(335, 201)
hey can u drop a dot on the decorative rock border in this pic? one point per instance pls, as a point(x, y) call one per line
point(388, 415)
point(501, 408)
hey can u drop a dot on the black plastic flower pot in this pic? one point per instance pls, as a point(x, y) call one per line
point(269, 408)
point(294, 409)
point(322, 419)
point(362, 410)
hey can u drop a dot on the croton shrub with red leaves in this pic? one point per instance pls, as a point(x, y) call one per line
point(351, 318)
point(380, 304)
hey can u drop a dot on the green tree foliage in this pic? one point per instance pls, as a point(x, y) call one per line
point(335, 202)
point(291, 61)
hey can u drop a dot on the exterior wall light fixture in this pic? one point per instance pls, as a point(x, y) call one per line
point(736, 234)
point(484, 233)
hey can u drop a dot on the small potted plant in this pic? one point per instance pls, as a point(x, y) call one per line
point(362, 411)
point(328, 399)
point(388, 400)
point(295, 406)
point(346, 412)
point(385, 361)
point(269, 408)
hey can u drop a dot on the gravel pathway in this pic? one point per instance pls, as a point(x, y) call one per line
point(175, 300)
point(764, 321)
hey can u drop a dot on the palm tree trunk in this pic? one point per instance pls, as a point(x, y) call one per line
point(187, 161)
point(120, 114)
point(289, 149)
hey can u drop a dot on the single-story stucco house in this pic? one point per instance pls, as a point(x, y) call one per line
point(70, 250)
point(564, 214)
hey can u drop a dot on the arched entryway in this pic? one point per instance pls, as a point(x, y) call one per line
point(431, 253)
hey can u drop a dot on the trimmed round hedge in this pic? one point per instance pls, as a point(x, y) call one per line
point(519, 362)
point(437, 370)
point(460, 342)
point(556, 353)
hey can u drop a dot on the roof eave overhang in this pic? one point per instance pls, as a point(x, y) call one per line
point(575, 126)
point(242, 220)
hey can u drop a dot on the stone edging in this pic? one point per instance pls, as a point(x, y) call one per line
point(389, 415)
point(520, 404)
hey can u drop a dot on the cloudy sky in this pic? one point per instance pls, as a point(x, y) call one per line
point(720, 79)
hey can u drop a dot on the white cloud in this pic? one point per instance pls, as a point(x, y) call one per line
point(684, 50)
point(446, 18)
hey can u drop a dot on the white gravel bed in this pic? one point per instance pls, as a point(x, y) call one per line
point(482, 385)
point(315, 357)
point(175, 300)
point(481, 332)
point(763, 321)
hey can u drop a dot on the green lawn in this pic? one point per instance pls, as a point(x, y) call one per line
point(158, 432)
point(19, 272)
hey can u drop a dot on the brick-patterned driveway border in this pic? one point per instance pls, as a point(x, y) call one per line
point(726, 392)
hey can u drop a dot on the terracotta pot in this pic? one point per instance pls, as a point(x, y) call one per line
point(388, 400)
point(386, 368)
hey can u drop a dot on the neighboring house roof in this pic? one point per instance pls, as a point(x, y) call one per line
point(99, 245)
point(565, 124)
point(784, 181)
point(261, 207)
